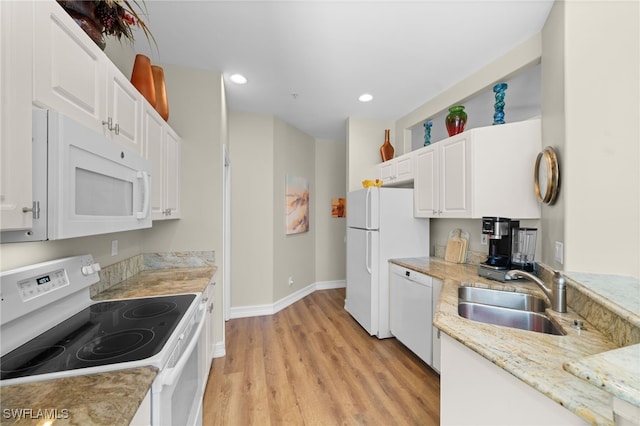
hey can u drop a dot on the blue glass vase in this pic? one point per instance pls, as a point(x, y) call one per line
point(427, 133)
point(498, 115)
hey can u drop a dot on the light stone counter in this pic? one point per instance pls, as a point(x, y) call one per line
point(94, 399)
point(545, 362)
point(109, 398)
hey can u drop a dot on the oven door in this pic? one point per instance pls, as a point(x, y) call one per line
point(95, 186)
point(178, 390)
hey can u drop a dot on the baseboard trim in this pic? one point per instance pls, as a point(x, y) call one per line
point(259, 310)
point(219, 350)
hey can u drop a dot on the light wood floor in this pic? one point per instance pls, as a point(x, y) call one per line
point(312, 364)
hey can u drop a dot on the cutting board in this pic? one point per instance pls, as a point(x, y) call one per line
point(454, 247)
point(456, 251)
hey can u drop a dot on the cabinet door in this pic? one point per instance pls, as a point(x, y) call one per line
point(69, 69)
point(436, 336)
point(154, 151)
point(209, 330)
point(404, 168)
point(15, 114)
point(454, 178)
point(426, 182)
point(124, 111)
point(387, 171)
point(172, 173)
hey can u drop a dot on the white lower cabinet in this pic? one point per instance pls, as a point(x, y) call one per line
point(209, 330)
point(476, 392)
point(436, 336)
point(162, 147)
point(486, 171)
point(143, 415)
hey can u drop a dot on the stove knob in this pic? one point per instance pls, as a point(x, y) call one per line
point(90, 269)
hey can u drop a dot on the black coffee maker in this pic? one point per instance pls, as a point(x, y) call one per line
point(499, 230)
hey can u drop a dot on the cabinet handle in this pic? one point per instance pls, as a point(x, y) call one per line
point(211, 307)
point(35, 209)
point(109, 123)
point(117, 129)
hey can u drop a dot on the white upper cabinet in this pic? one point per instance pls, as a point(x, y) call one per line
point(69, 70)
point(441, 184)
point(486, 171)
point(74, 77)
point(162, 147)
point(124, 109)
point(16, 40)
point(396, 171)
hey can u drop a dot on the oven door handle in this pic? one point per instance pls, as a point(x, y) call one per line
point(176, 370)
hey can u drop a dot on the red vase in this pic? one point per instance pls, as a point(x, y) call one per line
point(456, 120)
point(162, 104)
point(142, 78)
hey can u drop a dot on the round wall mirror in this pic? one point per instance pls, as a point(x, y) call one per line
point(546, 176)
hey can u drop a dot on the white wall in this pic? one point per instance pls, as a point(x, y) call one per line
point(263, 150)
point(600, 156)
point(364, 139)
point(251, 150)
point(330, 231)
point(294, 254)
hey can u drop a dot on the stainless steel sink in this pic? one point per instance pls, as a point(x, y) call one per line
point(505, 308)
point(505, 299)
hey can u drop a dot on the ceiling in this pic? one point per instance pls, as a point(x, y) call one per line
point(307, 62)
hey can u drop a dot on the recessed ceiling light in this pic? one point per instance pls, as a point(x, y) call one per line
point(365, 97)
point(238, 78)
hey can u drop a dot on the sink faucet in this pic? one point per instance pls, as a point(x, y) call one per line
point(557, 296)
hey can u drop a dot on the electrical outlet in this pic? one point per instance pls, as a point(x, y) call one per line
point(114, 247)
point(290, 281)
point(483, 239)
point(559, 253)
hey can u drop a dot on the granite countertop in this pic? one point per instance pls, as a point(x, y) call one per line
point(110, 398)
point(93, 399)
point(564, 368)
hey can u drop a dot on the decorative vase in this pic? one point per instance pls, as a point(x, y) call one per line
point(162, 104)
point(84, 13)
point(427, 132)
point(386, 150)
point(456, 120)
point(498, 116)
point(142, 78)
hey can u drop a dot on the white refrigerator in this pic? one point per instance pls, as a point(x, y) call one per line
point(380, 226)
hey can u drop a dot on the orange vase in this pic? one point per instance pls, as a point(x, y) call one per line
point(386, 150)
point(162, 105)
point(142, 78)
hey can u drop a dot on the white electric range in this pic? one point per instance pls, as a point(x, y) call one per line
point(50, 328)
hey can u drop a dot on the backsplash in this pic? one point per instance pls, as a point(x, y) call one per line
point(118, 272)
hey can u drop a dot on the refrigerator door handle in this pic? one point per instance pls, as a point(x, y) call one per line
point(367, 209)
point(368, 252)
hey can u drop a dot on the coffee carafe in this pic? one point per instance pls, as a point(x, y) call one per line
point(523, 248)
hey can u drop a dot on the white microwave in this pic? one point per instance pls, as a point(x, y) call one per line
point(83, 183)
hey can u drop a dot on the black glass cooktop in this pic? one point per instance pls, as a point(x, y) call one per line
point(104, 333)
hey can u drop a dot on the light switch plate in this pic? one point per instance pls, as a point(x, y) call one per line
point(559, 254)
point(114, 247)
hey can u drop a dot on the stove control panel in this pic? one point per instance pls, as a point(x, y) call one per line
point(30, 290)
point(40, 284)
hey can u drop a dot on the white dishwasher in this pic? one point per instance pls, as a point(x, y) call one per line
point(411, 310)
